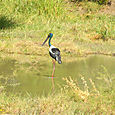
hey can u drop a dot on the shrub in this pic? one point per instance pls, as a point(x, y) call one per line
point(98, 1)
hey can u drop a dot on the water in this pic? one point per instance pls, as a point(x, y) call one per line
point(36, 79)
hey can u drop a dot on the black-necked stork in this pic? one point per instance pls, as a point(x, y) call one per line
point(54, 52)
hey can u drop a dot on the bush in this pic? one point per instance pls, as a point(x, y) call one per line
point(98, 1)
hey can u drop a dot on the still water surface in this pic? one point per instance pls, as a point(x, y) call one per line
point(36, 80)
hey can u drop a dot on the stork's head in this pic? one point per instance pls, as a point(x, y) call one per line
point(50, 35)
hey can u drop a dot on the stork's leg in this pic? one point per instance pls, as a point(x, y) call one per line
point(53, 61)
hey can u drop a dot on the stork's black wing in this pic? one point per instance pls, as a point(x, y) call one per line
point(56, 54)
point(56, 50)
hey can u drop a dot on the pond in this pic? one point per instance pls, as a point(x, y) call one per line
point(35, 80)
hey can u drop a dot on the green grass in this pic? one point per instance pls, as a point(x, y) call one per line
point(79, 29)
point(76, 24)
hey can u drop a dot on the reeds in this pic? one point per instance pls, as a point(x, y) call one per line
point(81, 94)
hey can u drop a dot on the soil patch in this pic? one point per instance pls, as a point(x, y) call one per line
point(110, 8)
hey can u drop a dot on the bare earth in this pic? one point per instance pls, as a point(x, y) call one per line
point(110, 9)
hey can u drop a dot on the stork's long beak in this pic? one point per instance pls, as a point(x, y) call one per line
point(45, 41)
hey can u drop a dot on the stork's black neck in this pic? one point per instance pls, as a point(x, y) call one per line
point(49, 41)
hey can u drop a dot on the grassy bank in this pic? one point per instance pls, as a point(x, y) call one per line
point(80, 29)
point(80, 25)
